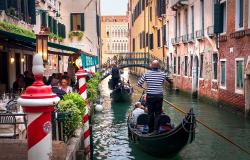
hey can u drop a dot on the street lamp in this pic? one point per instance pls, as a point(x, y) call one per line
point(42, 44)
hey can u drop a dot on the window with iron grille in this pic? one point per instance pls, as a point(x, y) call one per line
point(239, 74)
point(186, 65)
point(179, 65)
point(201, 66)
point(215, 64)
point(223, 73)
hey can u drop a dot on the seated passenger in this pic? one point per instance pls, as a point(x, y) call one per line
point(138, 110)
point(164, 124)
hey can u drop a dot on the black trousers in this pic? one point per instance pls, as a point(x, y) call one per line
point(154, 104)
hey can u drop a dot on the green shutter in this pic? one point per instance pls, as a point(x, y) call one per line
point(49, 23)
point(3, 4)
point(43, 19)
point(32, 11)
point(82, 22)
point(63, 31)
point(71, 22)
point(54, 26)
point(218, 18)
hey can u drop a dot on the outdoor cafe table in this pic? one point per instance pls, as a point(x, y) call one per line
point(6, 129)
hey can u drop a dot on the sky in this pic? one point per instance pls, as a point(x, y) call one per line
point(113, 7)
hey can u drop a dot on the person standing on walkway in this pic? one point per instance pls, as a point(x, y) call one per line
point(154, 94)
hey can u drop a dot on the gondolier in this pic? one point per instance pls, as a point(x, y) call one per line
point(154, 79)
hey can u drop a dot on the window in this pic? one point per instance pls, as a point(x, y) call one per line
point(146, 39)
point(201, 66)
point(186, 66)
point(186, 22)
point(191, 64)
point(174, 65)
point(151, 41)
point(192, 19)
point(215, 62)
point(202, 14)
point(239, 74)
point(113, 46)
point(158, 38)
point(179, 65)
point(43, 19)
point(179, 24)
point(133, 44)
point(77, 21)
point(239, 22)
point(224, 16)
point(164, 34)
point(223, 73)
point(167, 33)
point(150, 10)
point(175, 26)
point(108, 47)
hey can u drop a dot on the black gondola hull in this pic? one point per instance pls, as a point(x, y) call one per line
point(166, 144)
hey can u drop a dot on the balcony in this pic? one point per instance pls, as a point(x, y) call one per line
point(210, 31)
point(191, 38)
point(238, 34)
point(185, 38)
point(222, 38)
point(174, 41)
point(199, 34)
point(176, 4)
point(248, 32)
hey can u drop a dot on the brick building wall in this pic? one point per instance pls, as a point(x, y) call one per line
point(230, 50)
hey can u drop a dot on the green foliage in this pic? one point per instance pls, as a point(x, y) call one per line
point(92, 87)
point(73, 116)
point(55, 36)
point(78, 34)
point(8, 27)
point(77, 99)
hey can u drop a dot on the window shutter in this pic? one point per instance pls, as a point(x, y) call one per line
point(98, 25)
point(43, 19)
point(49, 23)
point(151, 44)
point(218, 18)
point(241, 13)
point(71, 22)
point(164, 34)
point(63, 31)
point(3, 4)
point(82, 22)
point(32, 11)
point(146, 39)
point(54, 26)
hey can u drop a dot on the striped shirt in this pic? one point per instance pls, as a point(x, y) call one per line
point(154, 80)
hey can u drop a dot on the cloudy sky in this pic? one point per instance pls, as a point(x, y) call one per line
point(114, 7)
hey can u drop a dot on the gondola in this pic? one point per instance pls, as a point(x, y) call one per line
point(121, 93)
point(168, 143)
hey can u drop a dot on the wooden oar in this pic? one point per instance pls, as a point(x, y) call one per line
point(209, 128)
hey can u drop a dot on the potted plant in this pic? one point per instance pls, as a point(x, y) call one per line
point(78, 34)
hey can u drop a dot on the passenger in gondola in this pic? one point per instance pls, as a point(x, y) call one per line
point(154, 80)
point(137, 111)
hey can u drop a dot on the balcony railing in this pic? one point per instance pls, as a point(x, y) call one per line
point(173, 41)
point(175, 4)
point(191, 37)
point(185, 38)
point(179, 39)
point(199, 34)
point(210, 31)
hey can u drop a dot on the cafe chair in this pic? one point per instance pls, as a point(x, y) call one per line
point(8, 122)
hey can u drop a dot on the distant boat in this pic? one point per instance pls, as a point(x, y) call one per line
point(122, 92)
point(166, 143)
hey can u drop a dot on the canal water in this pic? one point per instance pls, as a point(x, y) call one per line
point(111, 138)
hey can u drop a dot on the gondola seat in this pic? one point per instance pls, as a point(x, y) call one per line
point(142, 123)
point(164, 124)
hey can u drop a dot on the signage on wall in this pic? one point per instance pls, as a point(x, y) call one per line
point(89, 61)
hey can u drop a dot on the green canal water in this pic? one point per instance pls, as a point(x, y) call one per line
point(111, 140)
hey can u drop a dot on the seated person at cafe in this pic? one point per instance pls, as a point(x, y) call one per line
point(65, 85)
point(55, 88)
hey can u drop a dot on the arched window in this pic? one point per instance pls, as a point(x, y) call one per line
point(108, 47)
point(113, 46)
point(119, 47)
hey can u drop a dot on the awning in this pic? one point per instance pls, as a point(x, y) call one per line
point(28, 42)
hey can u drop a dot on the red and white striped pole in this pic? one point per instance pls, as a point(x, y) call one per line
point(38, 101)
point(81, 76)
